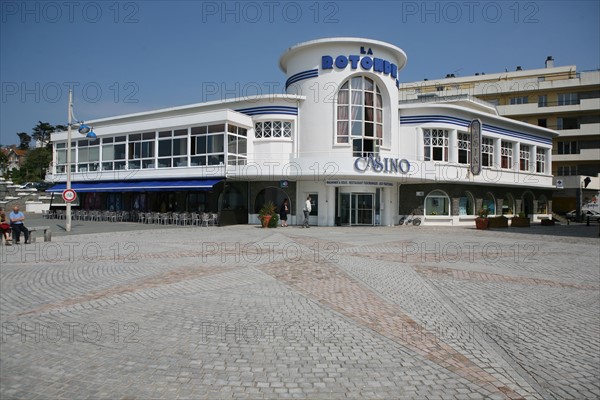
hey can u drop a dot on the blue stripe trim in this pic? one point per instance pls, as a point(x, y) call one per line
point(269, 110)
point(421, 119)
point(137, 186)
point(311, 73)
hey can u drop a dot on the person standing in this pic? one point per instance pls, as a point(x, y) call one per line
point(306, 210)
point(283, 212)
point(16, 223)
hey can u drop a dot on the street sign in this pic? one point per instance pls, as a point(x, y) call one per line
point(69, 195)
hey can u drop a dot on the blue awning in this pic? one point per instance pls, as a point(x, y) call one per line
point(137, 186)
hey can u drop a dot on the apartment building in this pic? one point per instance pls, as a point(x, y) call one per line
point(559, 98)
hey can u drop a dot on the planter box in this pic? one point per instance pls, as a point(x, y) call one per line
point(498, 222)
point(547, 222)
point(520, 222)
point(482, 223)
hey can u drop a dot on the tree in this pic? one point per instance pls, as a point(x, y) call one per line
point(3, 161)
point(41, 133)
point(34, 167)
point(24, 140)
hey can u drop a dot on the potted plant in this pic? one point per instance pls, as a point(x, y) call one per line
point(482, 221)
point(547, 222)
point(498, 222)
point(268, 214)
point(522, 221)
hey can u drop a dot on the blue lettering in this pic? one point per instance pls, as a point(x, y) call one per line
point(341, 62)
point(377, 65)
point(356, 167)
point(366, 63)
point(370, 52)
point(387, 67)
point(377, 164)
point(404, 166)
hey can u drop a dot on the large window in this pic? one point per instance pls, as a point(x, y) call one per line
point(172, 148)
point(167, 148)
point(542, 205)
point(567, 123)
point(236, 145)
point(519, 100)
point(114, 153)
point(88, 155)
point(464, 147)
point(506, 154)
point(273, 129)
point(360, 116)
point(141, 150)
point(566, 170)
point(524, 158)
point(568, 147)
point(568, 99)
point(540, 161)
point(207, 145)
point(437, 203)
point(435, 142)
point(508, 204)
point(487, 151)
point(489, 204)
point(61, 156)
point(466, 205)
point(543, 100)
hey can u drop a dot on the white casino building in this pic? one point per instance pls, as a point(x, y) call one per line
point(339, 134)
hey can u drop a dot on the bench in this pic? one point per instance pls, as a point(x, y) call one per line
point(34, 229)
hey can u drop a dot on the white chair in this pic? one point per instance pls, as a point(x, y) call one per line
point(196, 219)
point(206, 219)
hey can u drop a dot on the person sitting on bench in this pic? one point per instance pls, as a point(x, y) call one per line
point(16, 223)
point(5, 227)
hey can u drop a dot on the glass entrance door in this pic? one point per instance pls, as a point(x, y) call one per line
point(356, 209)
point(362, 204)
point(344, 205)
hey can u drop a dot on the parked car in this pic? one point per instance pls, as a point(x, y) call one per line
point(42, 186)
point(594, 215)
point(571, 215)
point(28, 185)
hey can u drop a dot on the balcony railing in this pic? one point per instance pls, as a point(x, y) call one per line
point(559, 103)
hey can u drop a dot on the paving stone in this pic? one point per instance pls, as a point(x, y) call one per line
point(366, 321)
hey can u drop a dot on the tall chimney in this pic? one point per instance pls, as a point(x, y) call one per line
point(549, 62)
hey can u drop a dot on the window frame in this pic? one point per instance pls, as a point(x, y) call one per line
point(360, 116)
point(431, 144)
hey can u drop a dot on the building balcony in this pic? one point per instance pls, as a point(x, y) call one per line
point(584, 155)
point(584, 130)
point(549, 108)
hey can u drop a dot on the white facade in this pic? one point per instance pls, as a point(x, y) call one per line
point(339, 135)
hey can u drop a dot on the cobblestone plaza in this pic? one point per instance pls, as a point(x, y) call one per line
point(129, 311)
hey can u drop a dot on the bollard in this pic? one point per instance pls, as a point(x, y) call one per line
point(587, 222)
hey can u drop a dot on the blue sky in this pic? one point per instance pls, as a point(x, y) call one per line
point(129, 56)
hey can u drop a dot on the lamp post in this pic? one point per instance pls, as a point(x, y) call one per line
point(84, 130)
